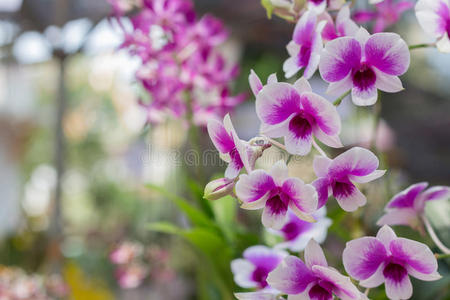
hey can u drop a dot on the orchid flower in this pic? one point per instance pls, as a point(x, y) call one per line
point(363, 64)
point(131, 276)
point(312, 279)
point(336, 177)
point(344, 25)
point(258, 261)
point(320, 6)
point(126, 253)
point(434, 17)
point(275, 191)
point(296, 113)
point(389, 259)
point(408, 206)
point(233, 150)
point(305, 47)
point(386, 14)
point(256, 84)
point(297, 233)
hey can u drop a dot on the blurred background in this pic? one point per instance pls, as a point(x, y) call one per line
point(81, 172)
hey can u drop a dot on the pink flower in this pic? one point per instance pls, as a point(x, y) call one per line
point(344, 25)
point(218, 188)
point(130, 276)
point(387, 13)
point(407, 207)
point(336, 177)
point(312, 279)
point(256, 84)
point(233, 150)
point(434, 17)
point(125, 253)
point(297, 233)
point(389, 259)
point(320, 6)
point(305, 47)
point(252, 270)
point(296, 113)
point(364, 63)
point(275, 191)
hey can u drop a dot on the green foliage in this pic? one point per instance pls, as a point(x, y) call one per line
point(268, 7)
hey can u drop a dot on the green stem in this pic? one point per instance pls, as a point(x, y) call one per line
point(418, 46)
point(339, 100)
point(289, 159)
point(442, 256)
point(434, 236)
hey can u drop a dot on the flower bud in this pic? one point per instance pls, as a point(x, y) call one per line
point(218, 188)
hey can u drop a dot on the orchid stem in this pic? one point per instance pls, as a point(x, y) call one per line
point(289, 159)
point(442, 256)
point(367, 292)
point(434, 236)
point(339, 100)
point(277, 144)
point(319, 149)
point(418, 46)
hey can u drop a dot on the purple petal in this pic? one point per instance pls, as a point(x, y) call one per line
point(235, 165)
point(274, 214)
point(436, 193)
point(255, 83)
point(402, 216)
point(323, 189)
point(302, 196)
point(242, 270)
point(406, 198)
point(276, 102)
point(254, 186)
point(342, 286)
point(313, 56)
point(386, 235)
point(375, 280)
point(362, 257)
point(321, 165)
point(221, 139)
point(344, 24)
point(365, 96)
point(314, 255)
point(388, 52)
point(357, 162)
point(415, 254)
point(338, 58)
point(363, 16)
point(291, 276)
point(324, 113)
point(305, 28)
point(398, 286)
point(348, 196)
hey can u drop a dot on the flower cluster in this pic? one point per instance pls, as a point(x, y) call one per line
point(353, 62)
point(15, 284)
point(182, 69)
point(136, 263)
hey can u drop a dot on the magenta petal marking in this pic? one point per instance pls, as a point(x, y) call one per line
point(322, 186)
point(318, 292)
point(414, 254)
point(406, 198)
point(221, 139)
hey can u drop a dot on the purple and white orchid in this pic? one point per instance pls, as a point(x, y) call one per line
point(256, 84)
point(276, 192)
point(297, 233)
point(364, 64)
point(312, 279)
point(296, 113)
point(305, 47)
point(252, 270)
point(389, 259)
point(434, 17)
point(408, 206)
point(345, 26)
point(236, 152)
point(337, 177)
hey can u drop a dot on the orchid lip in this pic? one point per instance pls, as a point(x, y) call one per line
point(300, 125)
point(364, 77)
point(395, 272)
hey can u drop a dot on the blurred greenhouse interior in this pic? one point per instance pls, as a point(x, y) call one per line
point(81, 170)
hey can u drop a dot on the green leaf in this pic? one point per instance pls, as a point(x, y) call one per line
point(197, 193)
point(196, 216)
point(268, 7)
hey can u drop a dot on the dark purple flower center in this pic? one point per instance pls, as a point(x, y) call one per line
point(294, 228)
point(300, 126)
point(277, 204)
point(259, 275)
point(342, 189)
point(320, 292)
point(395, 272)
point(364, 77)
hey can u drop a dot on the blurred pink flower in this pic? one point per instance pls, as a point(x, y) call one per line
point(126, 253)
